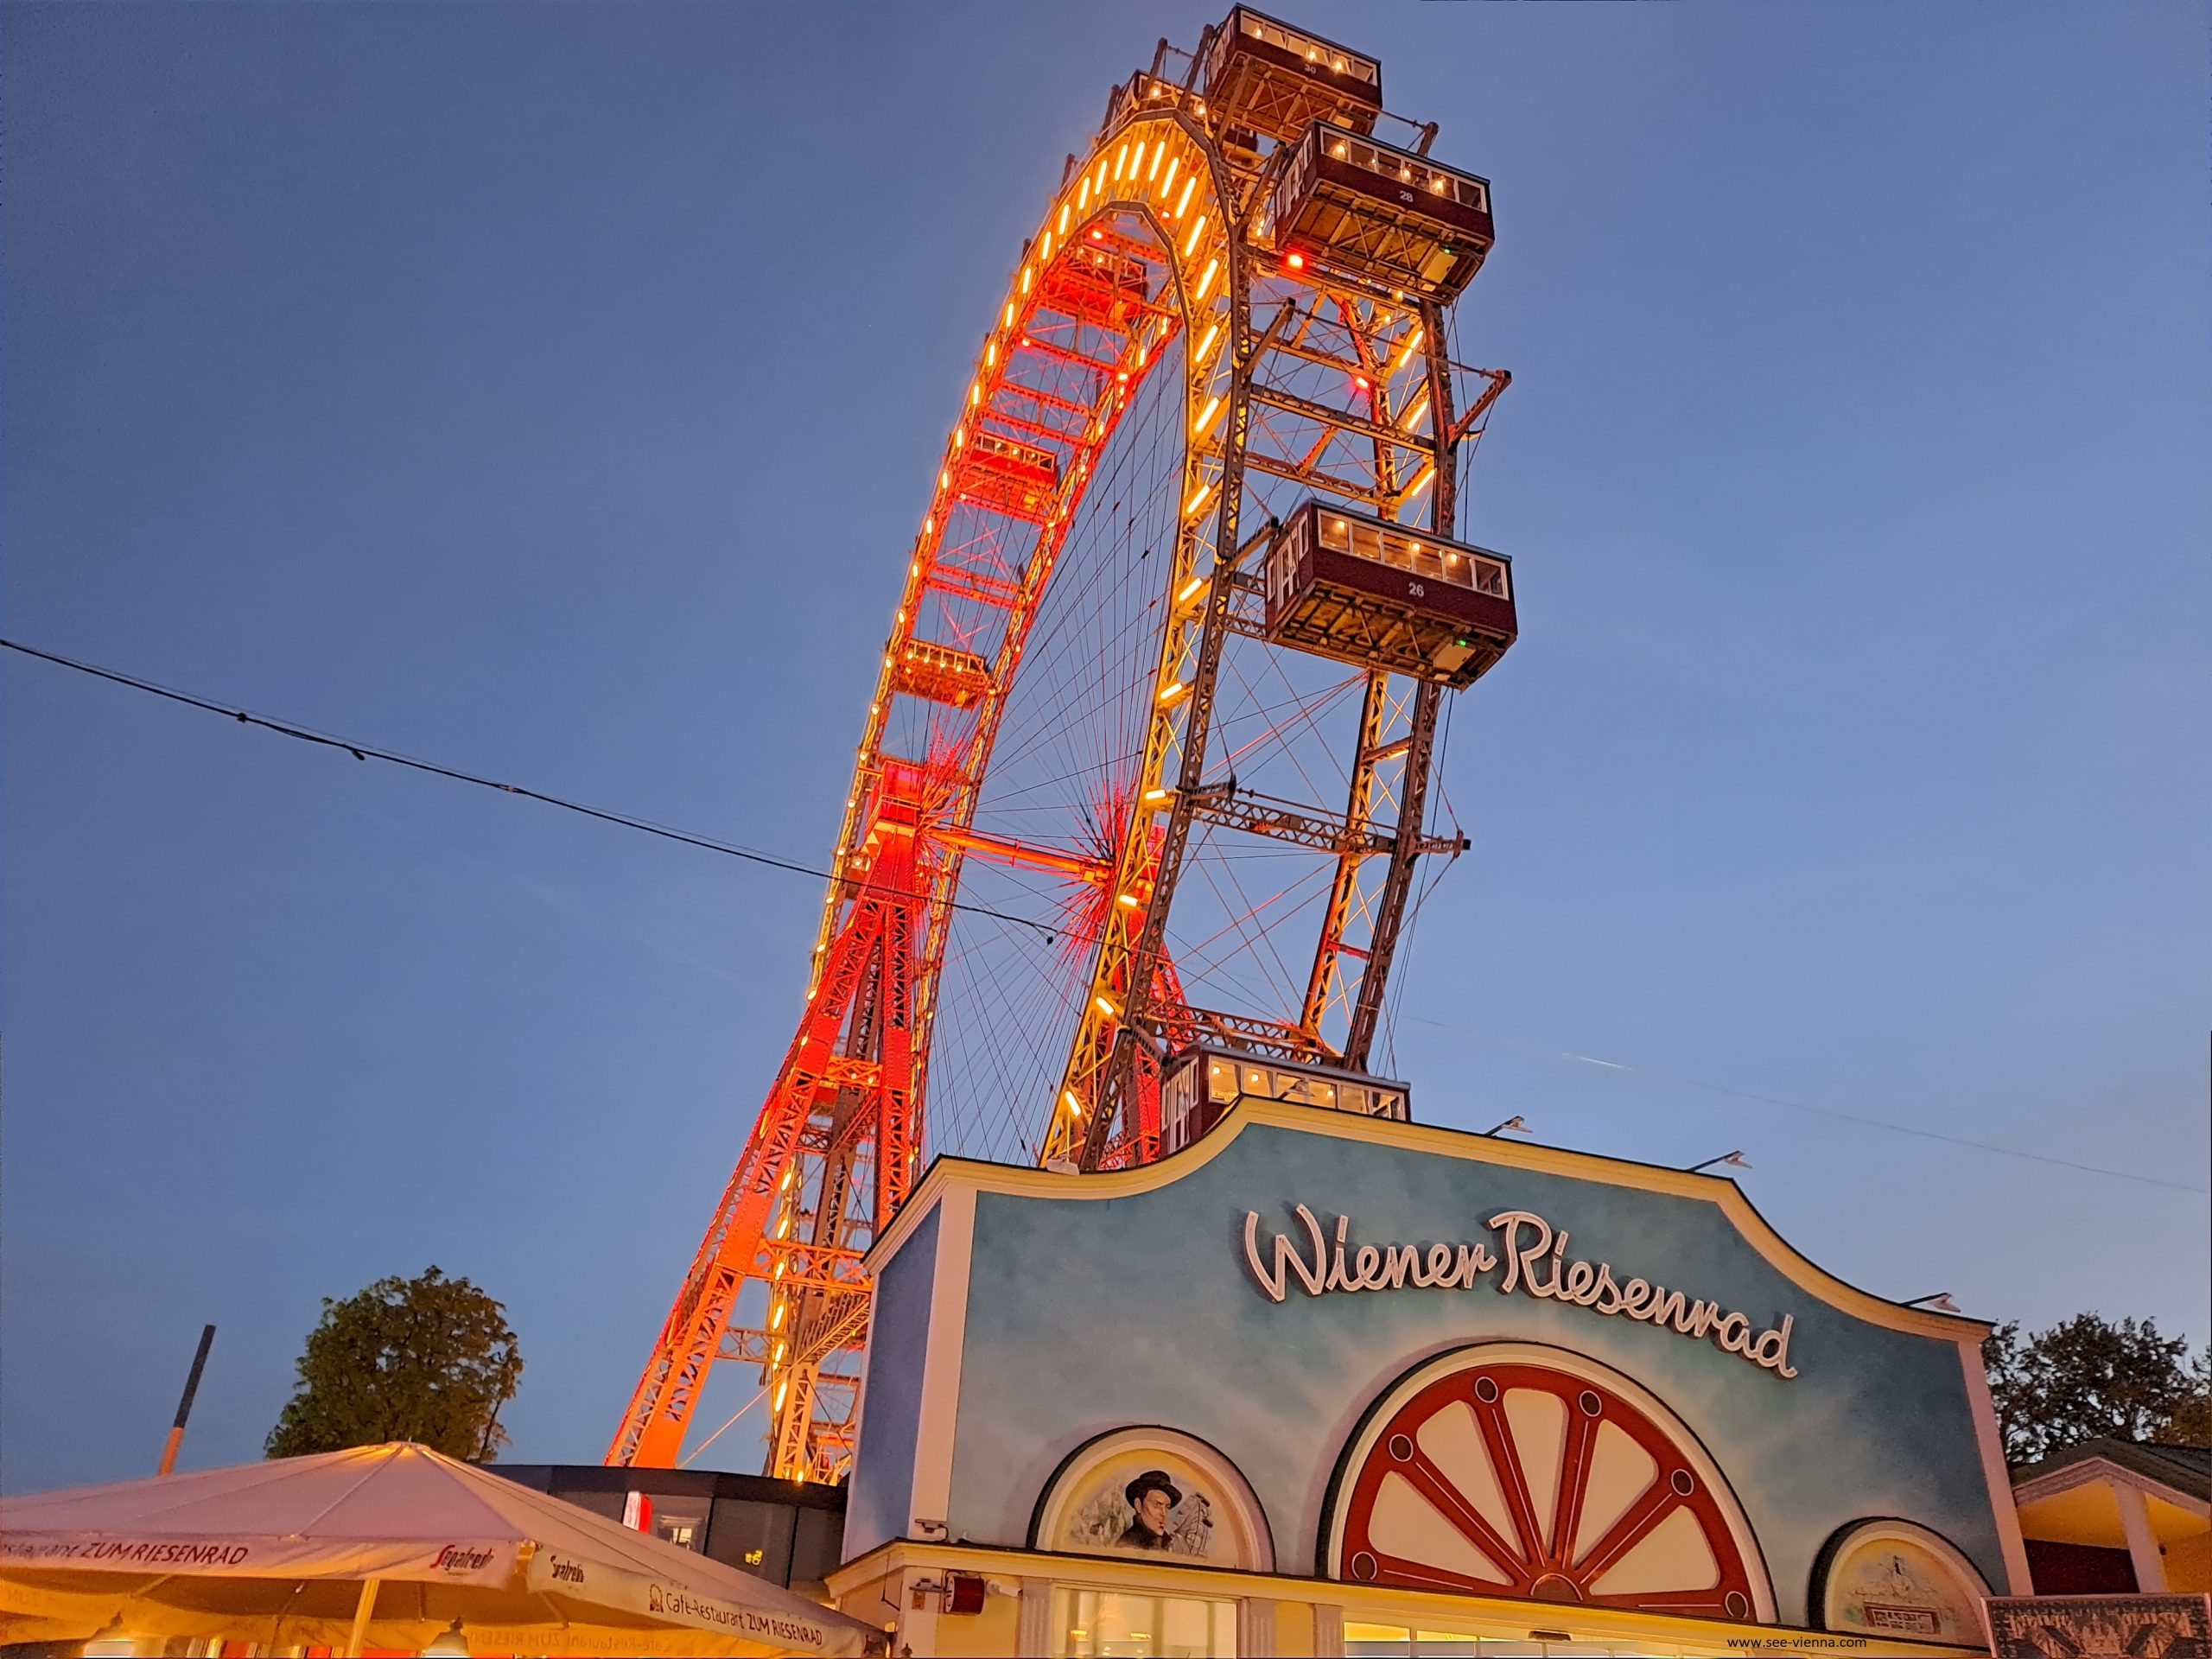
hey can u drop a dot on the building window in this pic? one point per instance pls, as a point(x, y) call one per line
point(1119, 1624)
point(1376, 1641)
point(681, 1520)
point(1399, 1642)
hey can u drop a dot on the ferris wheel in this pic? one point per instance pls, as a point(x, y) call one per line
point(1147, 773)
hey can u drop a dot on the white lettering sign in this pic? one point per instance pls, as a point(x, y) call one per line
point(1531, 1258)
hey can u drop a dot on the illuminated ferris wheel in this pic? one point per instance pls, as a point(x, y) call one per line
point(1146, 780)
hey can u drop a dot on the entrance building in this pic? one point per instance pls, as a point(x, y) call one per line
point(1325, 1383)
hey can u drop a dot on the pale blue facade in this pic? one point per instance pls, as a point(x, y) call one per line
point(883, 1475)
point(1088, 1314)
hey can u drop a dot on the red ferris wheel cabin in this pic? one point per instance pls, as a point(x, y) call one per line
point(1266, 78)
point(1394, 216)
point(1388, 596)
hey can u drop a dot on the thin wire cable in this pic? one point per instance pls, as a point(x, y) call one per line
point(1830, 1111)
point(367, 752)
point(718, 1434)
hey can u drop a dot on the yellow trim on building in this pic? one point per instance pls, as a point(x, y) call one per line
point(1755, 1229)
point(863, 1589)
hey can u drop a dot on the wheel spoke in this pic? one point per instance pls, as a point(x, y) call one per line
point(1573, 1481)
point(1433, 1484)
point(1513, 1480)
point(1424, 1575)
point(1643, 1516)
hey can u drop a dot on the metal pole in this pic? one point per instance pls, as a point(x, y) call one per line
point(184, 1406)
point(357, 1637)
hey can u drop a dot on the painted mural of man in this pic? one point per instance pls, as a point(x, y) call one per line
point(1151, 1497)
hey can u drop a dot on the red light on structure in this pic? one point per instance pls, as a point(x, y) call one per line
point(1294, 260)
point(964, 1593)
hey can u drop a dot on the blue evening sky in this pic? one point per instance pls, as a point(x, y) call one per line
point(554, 392)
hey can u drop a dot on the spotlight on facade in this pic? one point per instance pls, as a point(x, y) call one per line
point(1730, 1160)
point(1512, 1125)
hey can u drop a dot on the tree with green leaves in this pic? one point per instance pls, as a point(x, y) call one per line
point(2087, 1378)
point(428, 1359)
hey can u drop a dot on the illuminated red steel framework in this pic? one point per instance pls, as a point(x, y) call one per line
point(1309, 298)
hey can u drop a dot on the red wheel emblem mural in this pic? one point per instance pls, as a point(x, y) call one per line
point(1516, 1479)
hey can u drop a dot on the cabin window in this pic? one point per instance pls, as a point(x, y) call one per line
point(1405, 168)
point(1313, 51)
point(1417, 555)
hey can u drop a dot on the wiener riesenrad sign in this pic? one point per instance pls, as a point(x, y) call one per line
point(1531, 1257)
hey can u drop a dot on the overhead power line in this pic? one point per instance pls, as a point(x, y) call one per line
point(623, 820)
point(369, 751)
point(1830, 1111)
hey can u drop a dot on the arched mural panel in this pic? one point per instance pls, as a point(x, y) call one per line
point(1884, 1577)
point(1514, 1469)
point(1151, 1491)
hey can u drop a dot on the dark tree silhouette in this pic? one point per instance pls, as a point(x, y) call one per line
point(428, 1359)
point(2087, 1378)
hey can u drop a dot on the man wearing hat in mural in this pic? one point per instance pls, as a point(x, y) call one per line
point(1152, 1495)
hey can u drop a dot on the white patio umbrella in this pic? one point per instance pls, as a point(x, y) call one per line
point(383, 1546)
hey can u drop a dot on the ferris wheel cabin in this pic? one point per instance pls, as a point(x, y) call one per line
point(1019, 479)
point(1264, 76)
point(941, 673)
point(1389, 214)
point(1380, 595)
point(1101, 287)
point(1201, 1083)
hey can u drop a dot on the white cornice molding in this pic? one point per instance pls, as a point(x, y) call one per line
point(2090, 1470)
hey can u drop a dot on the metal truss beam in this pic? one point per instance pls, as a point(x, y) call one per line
point(1340, 421)
point(1324, 831)
point(1314, 479)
